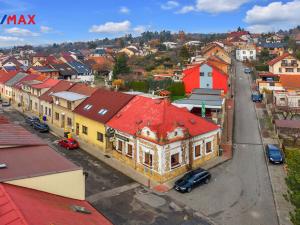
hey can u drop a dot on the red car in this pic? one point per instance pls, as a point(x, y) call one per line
point(69, 143)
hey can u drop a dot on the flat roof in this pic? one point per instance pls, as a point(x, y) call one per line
point(68, 95)
point(292, 124)
point(27, 162)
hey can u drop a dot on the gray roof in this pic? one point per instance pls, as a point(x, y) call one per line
point(197, 100)
point(205, 97)
point(69, 96)
point(185, 101)
point(16, 79)
point(206, 91)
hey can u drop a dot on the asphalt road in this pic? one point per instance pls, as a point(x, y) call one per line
point(240, 191)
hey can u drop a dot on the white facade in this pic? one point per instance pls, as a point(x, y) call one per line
point(290, 99)
point(170, 45)
point(244, 54)
point(86, 78)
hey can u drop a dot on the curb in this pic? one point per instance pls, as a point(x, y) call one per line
point(265, 157)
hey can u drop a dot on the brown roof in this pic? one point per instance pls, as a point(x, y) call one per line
point(25, 162)
point(290, 81)
point(15, 135)
point(61, 86)
point(83, 89)
point(103, 99)
point(293, 124)
point(217, 59)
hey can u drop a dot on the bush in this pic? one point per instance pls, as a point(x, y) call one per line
point(177, 89)
point(262, 67)
point(293, 183)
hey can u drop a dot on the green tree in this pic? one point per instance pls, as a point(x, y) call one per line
point(121, 66)
point(177, 89)
point(184, 53)
point(298, 54)
point(293, 183)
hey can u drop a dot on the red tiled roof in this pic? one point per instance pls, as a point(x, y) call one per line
point(293, 124)
point(267, 74)
point(160, 116)
point(15, 135)
point(5, 76)
point(46, 84)
point(290, 81)
point(34, 161)
point(24, 206)
point(237, 33)
point(83, 89)
point(60, 86)
point(103, 99)
point(277, 59)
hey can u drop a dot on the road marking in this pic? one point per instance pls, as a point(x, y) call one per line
point(245, 143)
point(111, 192)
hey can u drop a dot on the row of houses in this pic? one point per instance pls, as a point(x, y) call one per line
point(49, 191)
point(283, 80)
point(149, 135)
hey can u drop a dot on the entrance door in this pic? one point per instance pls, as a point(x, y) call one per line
point(62, 121)
point(77, 128)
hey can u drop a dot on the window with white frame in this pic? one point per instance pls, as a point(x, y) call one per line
point(120, 146)
point(175, 160)
point(148, 159)
point(129, 150)
point(208, 147)
point(197, 151)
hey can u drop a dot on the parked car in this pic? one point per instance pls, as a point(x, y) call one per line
point(256, 97)
point(31, 119)
point(274, 154)
point(192, 179)
point(247, 70)
point(68, 143)
point(41, 127)
point(5, 104)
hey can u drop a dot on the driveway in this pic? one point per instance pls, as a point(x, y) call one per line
point(240, 191)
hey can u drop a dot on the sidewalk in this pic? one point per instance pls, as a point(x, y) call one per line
point(116, 164)
point(277, 173)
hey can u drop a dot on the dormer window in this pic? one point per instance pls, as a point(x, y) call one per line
point(175, 133)
point(103, 111)
point(148, 132)
point(87, 107)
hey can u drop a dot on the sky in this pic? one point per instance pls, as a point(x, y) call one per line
point(59, 21)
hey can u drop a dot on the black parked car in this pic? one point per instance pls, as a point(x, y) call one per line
point(274, 154)
point(192, 179)
point(31, 119)
point(41, 127)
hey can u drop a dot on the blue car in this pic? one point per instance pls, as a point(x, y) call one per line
point(274, 154)
point(256, 97)
point(31, 119)
point(247, 70)
point(41, 127)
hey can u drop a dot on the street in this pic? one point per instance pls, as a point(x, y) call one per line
point(240, 190)
point(114, 194)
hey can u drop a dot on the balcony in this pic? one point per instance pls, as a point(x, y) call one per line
point(289, 64)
